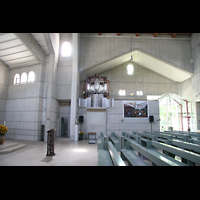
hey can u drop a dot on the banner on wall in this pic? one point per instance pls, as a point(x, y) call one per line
point(133, 109)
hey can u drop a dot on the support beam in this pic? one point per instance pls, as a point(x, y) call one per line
point(173, 35)
point(48, 41)
point(29, 41)
point(155, 34)
point(74, 88)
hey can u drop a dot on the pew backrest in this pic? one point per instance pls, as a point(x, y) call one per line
point(193, 157)
point(117, 160)
point(185, 145)
point(156, 157)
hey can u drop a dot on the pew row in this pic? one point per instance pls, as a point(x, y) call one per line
point(109, 157)
point(116, 139)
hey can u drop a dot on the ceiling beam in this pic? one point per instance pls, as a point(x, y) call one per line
point(48, 42)
point(30, 42)
point(173, 35)
point(155, 34)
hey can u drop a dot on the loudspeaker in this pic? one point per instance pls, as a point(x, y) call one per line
point(151, 118)
point(81, 119)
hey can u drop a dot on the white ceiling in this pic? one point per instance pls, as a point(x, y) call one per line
point(41, 41)
point(146, 60)
point(13, 52)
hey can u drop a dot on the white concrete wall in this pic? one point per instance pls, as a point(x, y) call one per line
point(116, 123)
point(114, 120)
point(143, 79)
point(4, 77)
point(64, 71)
point(98, 49)
point(24, 105)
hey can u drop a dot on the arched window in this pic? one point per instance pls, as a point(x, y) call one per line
point(31, 77)
point(130, 69)
point(24, 78)
point(16, 79)
point(66, 49)
point(122, 92)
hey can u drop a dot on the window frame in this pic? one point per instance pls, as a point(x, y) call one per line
point(15, 79)
point(23, 74)
point(66, 49)
point(31, 78)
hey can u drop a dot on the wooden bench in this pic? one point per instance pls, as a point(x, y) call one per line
point(127, 154)
point(132, 158)
point(105, 137)
point(127, 137)
point(116, 139)
point(179, 136)
point(109, 157)
point(100, 143)
point(157, 158)
point(190, 157)
point(102, 140)
point(186, 145)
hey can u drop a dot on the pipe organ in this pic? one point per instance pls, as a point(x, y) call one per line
point(96, 92)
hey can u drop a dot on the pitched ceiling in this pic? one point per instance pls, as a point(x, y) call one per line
point(144, 59)
point(18, 49)
point(13, 51)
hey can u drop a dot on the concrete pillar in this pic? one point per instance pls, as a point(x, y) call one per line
point(49, 71)
point(74, 88)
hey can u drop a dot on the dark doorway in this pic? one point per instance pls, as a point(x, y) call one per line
point(64, 127)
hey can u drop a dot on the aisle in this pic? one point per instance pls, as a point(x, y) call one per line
point(68, 153)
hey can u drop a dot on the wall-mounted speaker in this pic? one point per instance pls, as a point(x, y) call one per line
point(151, 118)
point(81, 119)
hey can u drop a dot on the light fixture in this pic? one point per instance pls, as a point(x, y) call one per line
point(131, 57)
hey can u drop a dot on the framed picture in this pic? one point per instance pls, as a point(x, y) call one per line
point(133, 109)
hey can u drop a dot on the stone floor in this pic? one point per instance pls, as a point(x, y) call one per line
point(68, 153)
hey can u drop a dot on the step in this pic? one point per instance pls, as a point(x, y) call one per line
point(8, 148)
point(7, 144)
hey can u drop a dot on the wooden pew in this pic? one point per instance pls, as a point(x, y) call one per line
point(180, 136)
point(191, 157)
point(116, 139)
point(100, 143)
point(109, 157)
point(155, 157)
point(105, 137)
point(127, 154)
point(186, 145)
point(126, 137)
point(102, 140)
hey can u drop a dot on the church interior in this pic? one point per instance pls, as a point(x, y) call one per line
point(122, 99)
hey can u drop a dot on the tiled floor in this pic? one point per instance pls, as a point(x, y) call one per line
point(68, 153)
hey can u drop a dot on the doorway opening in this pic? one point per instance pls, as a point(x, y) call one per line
point(64, 127)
